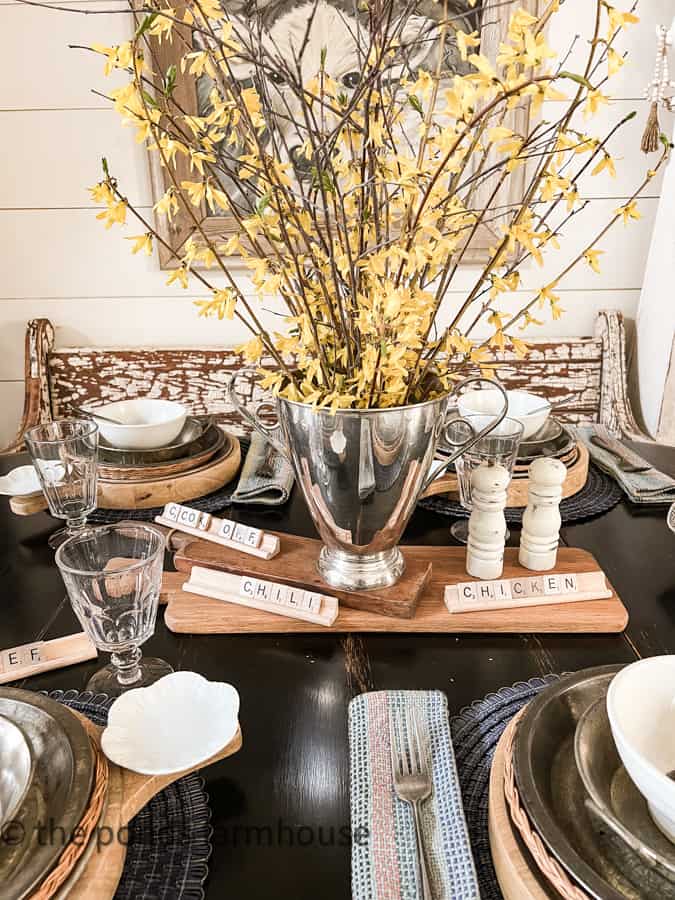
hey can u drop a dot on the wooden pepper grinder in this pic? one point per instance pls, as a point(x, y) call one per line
point(541, 519)
point(487, 525)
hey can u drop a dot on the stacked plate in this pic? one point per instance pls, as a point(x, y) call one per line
point(553, 440)
point(46, 781)
point(579, 798)
point(199, 442)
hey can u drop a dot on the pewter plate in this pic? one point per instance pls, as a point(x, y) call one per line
point(16, 769)
point(557, 441)
point(59, 793)
point(550, 786)
point(619, 810)
point(188, 441)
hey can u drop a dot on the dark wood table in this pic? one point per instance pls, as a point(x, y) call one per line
point(292, 776)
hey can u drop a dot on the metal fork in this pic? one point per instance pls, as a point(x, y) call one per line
point(412, 779)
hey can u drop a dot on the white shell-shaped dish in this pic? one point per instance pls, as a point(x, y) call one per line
point(175, 724)
point(20, 481)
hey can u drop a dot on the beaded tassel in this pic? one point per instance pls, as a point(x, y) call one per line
point(656, 91)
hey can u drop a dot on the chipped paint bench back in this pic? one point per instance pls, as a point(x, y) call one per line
point(585, 378)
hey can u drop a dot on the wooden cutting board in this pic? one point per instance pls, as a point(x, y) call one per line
point(190, 614)
point(99, 871)
point(296, 565)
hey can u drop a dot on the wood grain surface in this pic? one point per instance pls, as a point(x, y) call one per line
point(296, 565)
point(190, 614)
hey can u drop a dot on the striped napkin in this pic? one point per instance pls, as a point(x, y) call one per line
point(384, 856)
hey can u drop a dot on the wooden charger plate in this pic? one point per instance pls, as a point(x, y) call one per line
point(154, 492)
point(523, 874)
point(577, 474)
point(214, 441)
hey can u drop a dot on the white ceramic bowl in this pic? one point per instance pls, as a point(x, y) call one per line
point(528, 409)
point(175, 724)
point(147, 424)
point(641, 709)
point(20, 482)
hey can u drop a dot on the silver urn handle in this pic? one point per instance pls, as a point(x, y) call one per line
point(252, 417)
point(440, 468)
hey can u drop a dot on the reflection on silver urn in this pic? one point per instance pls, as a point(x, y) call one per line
point(361, 473)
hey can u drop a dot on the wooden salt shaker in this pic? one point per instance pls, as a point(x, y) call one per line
point(487, 525)
point(541, 519)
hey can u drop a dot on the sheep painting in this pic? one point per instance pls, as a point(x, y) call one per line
point(316, 35)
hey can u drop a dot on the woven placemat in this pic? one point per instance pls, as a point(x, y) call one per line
point(169, 841)
point(600, 494)
point(475, 734)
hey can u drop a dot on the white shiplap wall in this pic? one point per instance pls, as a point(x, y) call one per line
point(60, 263)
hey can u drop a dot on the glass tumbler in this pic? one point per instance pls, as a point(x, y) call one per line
point(65, 454)
point(499, 447)
point(113, 576)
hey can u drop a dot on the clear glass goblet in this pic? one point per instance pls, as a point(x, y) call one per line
point(113, 576)
point(498, 447)
point(65, 454)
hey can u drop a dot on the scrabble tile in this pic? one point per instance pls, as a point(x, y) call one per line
point(466, 591)
point(239, 533)
point(311, 601)
point(226, 529)
point(485, 590)
point(568, 584)
point(552, 584)
point(253, 537)
point(502, 590)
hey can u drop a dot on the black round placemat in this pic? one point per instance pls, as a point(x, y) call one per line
point(475, 734)
point(600, 494)
point(169, 841)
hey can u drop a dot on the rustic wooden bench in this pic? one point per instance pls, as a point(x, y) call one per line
point(585, 378)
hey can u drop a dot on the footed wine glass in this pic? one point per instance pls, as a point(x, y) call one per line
point(113, 576)
point(65, 455)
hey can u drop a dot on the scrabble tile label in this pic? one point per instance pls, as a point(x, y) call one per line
point(224, 531)
point(18, 657)
point(528, 590)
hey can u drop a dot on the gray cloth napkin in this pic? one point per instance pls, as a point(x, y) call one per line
point(650, 487)
point(266, 477)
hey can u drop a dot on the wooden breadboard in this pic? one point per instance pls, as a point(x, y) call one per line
point(516, 497)
point(190, 614)
point(98, 872)
point(296, 565)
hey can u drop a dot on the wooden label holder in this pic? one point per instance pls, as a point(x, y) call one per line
point(191, 614)
point(528, 589)
point(43, 656)
point(225, 532)
point(267, 596)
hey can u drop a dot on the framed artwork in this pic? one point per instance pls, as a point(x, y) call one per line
point(281, 23)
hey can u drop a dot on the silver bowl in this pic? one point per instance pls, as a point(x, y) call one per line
point(16, 769)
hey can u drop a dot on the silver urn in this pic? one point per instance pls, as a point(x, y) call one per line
point(361, 473)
